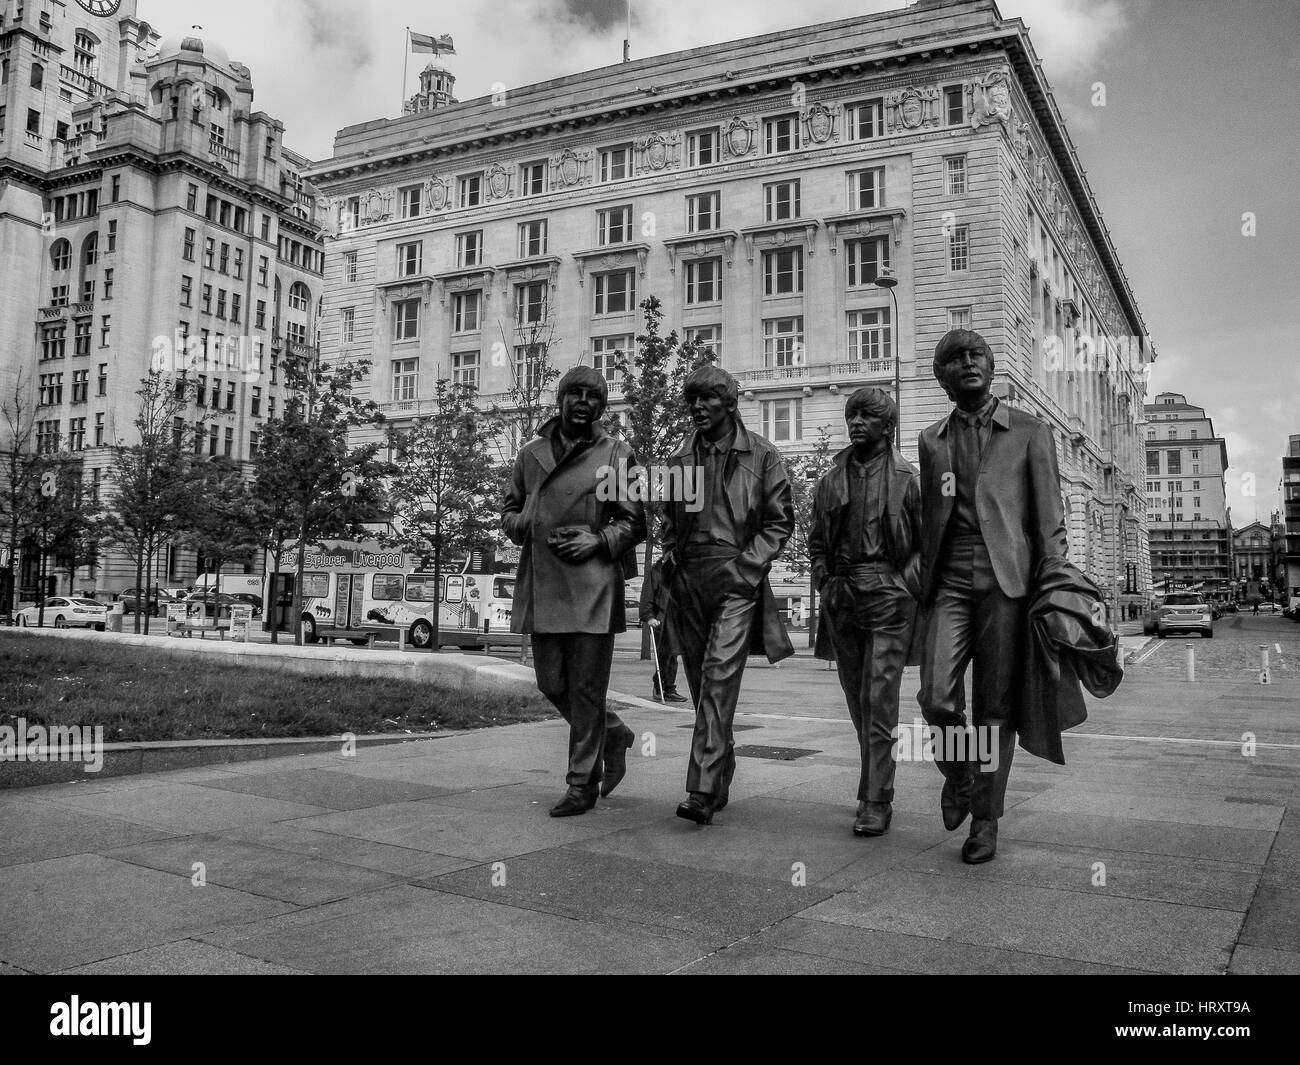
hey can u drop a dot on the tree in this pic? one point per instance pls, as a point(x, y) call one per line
point(805, 471)
point(22, 480)
point(308, 478)
point(656, 418)
point(528, 404)
point(59, 520)
point(151, 480)
point(221, 523)
point(445, 492)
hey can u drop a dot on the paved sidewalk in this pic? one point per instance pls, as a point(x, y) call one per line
point(1158, 848)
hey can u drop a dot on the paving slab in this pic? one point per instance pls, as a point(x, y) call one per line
point(1090, 832)
point(1249, 960)
point(184, 808)
point(1131, 933)
point(916, 953)
point(83, 908)
point(675, 899)
point(1181, 809)
point(410, 929)
point(1274, 918)
point(262, 871)
point(752, 958)
point(404, 862)
point(332, 791)
point(32, 830)
point(183, 958)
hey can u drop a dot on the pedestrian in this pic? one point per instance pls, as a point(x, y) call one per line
point(992, 513)
point(578, 547)
point(865, 549)
point(664, 682)
point(719, 547)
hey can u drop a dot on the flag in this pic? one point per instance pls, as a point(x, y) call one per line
point(421, 42)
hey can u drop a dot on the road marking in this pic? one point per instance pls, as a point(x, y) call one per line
point(1175, 739)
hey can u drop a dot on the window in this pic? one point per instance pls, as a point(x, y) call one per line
point(464, 311)
point(703, 212)
point(187, 249)
point(469, 190)
point(606, 352)
point(864, 260)
point(532, 178)
point(201, 391)
point(105, 327)
point(1196, 486)
point(954, 105)
point(406, 320)
point(99, 441)
point(103, 379)
point(295, 333)
point(112, 236)
point(236, 306)
point(207, 299)
point(77, 434)
point(959, 248)
point(616, 163)
point(469, 249)
point(783, 420)
point(61, 255)
point(224, 264)
point(865, 121)
point(781, 134)
point(408, 201)
point(347, 325)
point(33, 122)
point(464, 368)
point(528, 366)
point(299, 297)
point(261, 314)
point(530, 303)
point(266, 222)
point(780, 201)
point(869, 334)
point(214, 437)
point(708, 337)
point(221, 303)
point(958, 318)
point(349, 267)
point(1175, 460)
point(262, 266)
point(81, 387)
point(704, 281)
point(37, 75)
point(954, 168)
point(209, 251)
point(867, 189)
point(59, 296)
point(614, 225)
point(239, 264)
point(783, 342)
point(783, 272)
point(702, 147)
point(405, 373)
point(532, 238)
point(1153, 463)
point(1196, 452)
point(410, 259)
point(616, 292)
point(255, 403)
point(81, 338)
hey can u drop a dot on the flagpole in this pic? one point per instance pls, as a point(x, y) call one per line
point(406, 59)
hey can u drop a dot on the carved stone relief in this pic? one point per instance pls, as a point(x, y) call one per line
point(912, 108)
point(991, 100)
point(739, 137)
point(498, 182)
point(821, 123)
point(437, 193)
point(376, 206)
point(657, 152)
point(570, 168)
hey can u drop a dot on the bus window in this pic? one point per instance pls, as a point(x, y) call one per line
point(503, 588)
point(386, 586)
point(455, 589)
point(315, 585)
point(419, 589)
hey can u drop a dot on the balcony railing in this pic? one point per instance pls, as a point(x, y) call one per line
point(222, 152)
point(853, 368)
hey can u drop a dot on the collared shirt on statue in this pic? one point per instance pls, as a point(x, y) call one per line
point(968, 439)
point(714, 523)
point(864, 541)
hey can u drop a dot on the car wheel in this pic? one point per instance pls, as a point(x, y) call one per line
point(421, 635)
point(99, 628)
point(1159, 635)
point(310, 635)
point(60, 622)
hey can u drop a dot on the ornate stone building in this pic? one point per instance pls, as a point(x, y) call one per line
point(760, 188)
point(146, 210)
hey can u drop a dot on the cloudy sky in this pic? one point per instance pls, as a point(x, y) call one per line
point(1199, 130)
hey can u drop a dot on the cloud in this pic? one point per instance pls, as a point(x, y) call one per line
point(1070, 35)
point(595, 16)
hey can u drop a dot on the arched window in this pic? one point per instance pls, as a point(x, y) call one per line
point(90, 250)
point(38, 76)
point(85, 52)
point(299, 297)
point(61, 255)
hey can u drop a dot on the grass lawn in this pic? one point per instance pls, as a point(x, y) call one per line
point(141, 694)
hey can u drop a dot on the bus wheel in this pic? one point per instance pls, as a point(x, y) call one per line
point(421, 635)
point(310, 635)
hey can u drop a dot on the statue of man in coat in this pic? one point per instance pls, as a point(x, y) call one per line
point(577, 548)
point(991, 516)
point(865, 549)
point(718, 551)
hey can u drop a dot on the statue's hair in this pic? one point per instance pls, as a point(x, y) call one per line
point(710, 380)
point(874, 401)
point(583, 376)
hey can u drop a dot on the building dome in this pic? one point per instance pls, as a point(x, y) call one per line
point(194, 46)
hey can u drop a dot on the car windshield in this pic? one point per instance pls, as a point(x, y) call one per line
point(1184, 600)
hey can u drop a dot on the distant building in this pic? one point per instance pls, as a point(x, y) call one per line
point(1190, 530)
point(145, 206)
point(1290, 574)
point(1252, 556)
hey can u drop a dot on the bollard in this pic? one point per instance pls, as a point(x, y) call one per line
point(401, 638)
point(1264, 677)
point(1191, 664)
point(304, 629)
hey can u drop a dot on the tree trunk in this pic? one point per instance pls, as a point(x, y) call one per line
point(812, 611)
point(139, 577)
point(271, 603)
point(296, 615)
point(437, 583)
point(150, 550)
point(646, 649)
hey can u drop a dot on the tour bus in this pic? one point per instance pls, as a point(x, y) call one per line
point(359, 587)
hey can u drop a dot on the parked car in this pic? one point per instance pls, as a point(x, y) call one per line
point(157, 600)
point(1230, 607)
point(209, 600)
point(248, 599)
point(1269, 607)
point(65, 612)
point(1184, 612)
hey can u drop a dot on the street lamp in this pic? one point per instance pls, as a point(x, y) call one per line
point(885, 279)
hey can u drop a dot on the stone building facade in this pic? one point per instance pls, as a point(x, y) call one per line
point(147, 211)
point(759, 188)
